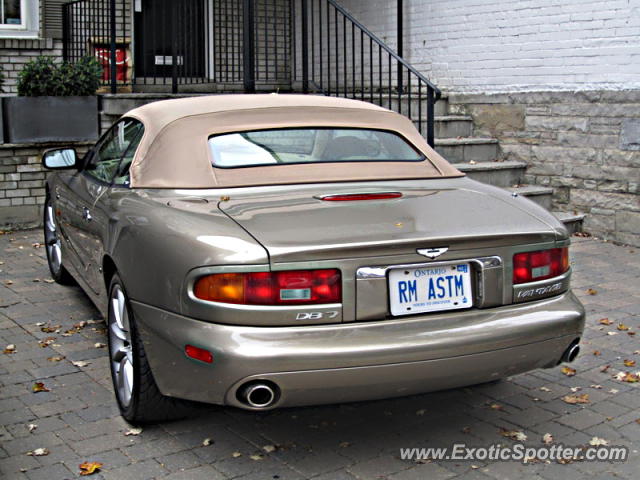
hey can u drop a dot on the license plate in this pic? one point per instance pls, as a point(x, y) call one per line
point(430, 289)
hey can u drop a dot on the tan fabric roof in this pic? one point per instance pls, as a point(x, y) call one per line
point(174, 151)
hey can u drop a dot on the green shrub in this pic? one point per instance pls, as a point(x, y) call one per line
point(43, 77)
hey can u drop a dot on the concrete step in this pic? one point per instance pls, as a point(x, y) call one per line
point(500, 174)
point(573, 221)
point(541, 195)
point(465, 149)
point(453, 126)
point(449, 126)
point(441, 108)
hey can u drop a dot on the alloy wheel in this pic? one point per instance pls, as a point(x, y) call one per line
point(120, 345)
point(52, 240)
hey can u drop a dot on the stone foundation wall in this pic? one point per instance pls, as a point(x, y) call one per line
point(586, 145)
point(22, 183)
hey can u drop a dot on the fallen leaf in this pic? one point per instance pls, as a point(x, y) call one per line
point(45, 342)
point(596, 353)
point(597, 387)
point(206, 442)
point(420, 412)
point(89, 468)
point(8, 282)
point(591, 291)
point(39, 387)
point(257, 457)
point(57, 358)
point(627, 377)
point(472, 162)
point(637, 420)
point(344, 444)
point(32, 427)
point(49, 280)
point(631, 334)
point(545, 389)
point(133, 432)
point(9, 349)
point(575, 399)
point(496, 406)
point(269, 448)
point(39, 324)
point(622, 327)
point(629, 363)
point(636, 352)
point(605, 368)
point(576, 389)
point(597, 442)
point(611, 334)
point(50, 329)
point(513, 435)
point(605, 321)
point(236, 454)
point(614, 390)
point(547, 439)
point(38, 452)
point(466, 430)
point(568, 371)
point(99, 345)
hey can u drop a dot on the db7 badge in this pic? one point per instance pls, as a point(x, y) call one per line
point(316, 315)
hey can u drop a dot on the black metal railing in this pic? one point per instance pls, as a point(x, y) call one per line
point(312, 46)
point(174, 42)
point(339, 56)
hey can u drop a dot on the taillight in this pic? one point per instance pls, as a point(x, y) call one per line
point(540, 265)
point(293, 287)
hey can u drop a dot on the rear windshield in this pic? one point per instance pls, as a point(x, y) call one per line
point(309, 145)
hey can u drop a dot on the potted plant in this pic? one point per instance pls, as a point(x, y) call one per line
point(55, 102)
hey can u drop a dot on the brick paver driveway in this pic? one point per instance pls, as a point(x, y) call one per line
point(77, 419)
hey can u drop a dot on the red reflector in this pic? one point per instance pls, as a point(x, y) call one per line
point(352, 197)
point(292, 287)
point(540, 265)
point(198, 354)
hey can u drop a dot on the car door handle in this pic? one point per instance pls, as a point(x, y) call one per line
point(86, 214)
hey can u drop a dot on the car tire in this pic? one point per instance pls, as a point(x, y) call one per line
point(137, 393)
point(53, 245)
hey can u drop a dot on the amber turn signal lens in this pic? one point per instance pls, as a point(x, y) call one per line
point(292, 287)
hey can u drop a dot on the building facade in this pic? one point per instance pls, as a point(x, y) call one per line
point(552, 85)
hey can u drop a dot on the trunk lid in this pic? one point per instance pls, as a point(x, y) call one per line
point(295, 224)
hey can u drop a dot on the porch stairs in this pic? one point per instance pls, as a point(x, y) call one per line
point(480, 158)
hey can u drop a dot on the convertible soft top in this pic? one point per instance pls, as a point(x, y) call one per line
point(174, 152)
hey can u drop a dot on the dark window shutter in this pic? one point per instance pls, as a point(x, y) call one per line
point(53, 18)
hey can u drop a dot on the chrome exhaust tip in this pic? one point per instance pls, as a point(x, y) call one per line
point(258, 395)
point(571, 353)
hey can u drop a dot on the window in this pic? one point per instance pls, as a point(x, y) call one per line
point(19, 18)
point(309, 145)
point(116, 145)
point(11, 12)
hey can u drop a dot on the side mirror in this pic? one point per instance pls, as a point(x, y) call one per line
point(60, 159)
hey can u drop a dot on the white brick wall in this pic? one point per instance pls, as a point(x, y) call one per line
point(515, 45)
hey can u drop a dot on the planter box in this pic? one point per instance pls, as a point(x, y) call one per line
point(50, 119)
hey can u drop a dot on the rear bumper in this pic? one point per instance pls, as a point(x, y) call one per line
point(358, 361)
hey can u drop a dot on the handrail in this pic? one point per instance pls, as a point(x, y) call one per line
point(383, 45)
